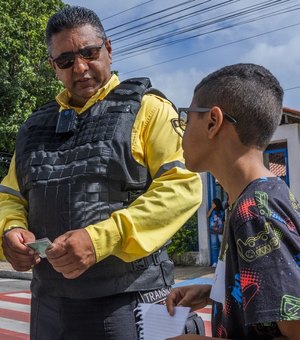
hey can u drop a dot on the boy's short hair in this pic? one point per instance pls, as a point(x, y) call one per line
point(72, 17)
point(251, 94)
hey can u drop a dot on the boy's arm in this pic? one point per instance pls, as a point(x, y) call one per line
point(289, 329)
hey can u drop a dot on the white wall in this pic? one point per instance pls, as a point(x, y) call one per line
point(291, 134)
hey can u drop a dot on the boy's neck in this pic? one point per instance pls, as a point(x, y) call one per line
point(237, 175)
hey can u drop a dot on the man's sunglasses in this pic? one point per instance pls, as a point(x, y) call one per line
point(67, 59)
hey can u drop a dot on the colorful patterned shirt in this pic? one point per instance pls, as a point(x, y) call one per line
point(262, 258)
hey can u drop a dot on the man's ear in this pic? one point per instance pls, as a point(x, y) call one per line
point(52, 64)
point(109, 49)
point(215, 120)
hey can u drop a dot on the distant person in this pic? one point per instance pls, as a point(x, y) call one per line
point(99, 171)
point(215, 217)
point(256, 293)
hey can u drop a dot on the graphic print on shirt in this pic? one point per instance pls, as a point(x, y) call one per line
point(295, 203)
point(243, 210)
point(297, 259)
point(261, 199)
point(221, 332)
point(290, 307)
point(247, 285)
point(250, 285)
point(263, 245)
point(237, 291)
point(260, 245)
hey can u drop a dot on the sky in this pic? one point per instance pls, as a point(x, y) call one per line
point(177, 43)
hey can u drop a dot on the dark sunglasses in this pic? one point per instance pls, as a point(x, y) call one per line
point(67, 59)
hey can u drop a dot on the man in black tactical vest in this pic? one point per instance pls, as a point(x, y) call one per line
point(99, 171)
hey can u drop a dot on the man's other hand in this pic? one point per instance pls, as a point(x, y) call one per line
point(72, 253)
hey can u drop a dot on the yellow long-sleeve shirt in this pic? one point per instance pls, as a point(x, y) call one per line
point(152, 218)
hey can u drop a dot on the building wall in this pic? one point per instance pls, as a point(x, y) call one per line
point(291, 134)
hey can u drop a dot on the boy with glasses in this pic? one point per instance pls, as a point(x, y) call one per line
point(256, 294)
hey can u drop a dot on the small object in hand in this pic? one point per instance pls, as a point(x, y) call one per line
point(40, 246)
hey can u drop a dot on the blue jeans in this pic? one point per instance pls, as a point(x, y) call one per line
point(215, 242)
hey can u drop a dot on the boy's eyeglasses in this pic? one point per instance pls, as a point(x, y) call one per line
point(180, 124)
point(67, 59)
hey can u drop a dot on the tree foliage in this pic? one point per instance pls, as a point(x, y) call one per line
point(26, 78)
point(186, 238)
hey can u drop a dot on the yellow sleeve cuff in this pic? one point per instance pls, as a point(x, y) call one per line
point(105, 237)
point(13, 224)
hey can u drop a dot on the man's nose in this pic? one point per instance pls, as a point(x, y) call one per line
point(80, 64)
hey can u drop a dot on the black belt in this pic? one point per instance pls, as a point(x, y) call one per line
point(154, 259)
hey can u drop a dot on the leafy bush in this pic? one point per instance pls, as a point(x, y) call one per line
point(27, 81)
point(186, 238)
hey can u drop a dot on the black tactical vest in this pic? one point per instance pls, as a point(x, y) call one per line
point(75, 171)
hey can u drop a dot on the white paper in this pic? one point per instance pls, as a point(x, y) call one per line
point(217, 292)
point(157, 324)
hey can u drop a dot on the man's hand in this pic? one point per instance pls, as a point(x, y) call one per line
point(72, 253)
point(20, 256)
point(194, 296)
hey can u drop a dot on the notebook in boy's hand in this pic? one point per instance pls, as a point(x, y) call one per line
point(155, 323)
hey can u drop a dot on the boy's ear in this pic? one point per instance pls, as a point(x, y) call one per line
point(215, 118)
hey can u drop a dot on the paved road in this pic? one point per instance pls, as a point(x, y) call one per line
point(15, 309)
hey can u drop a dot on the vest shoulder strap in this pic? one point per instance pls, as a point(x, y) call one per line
point(158, 93)
point(130, 89)
point(50, 106)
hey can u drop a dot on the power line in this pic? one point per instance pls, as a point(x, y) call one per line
point(156, 26)
point(292, 88)
point(168, 22)
point(150, 15)
point(211, 48)
point(126, 10)
point(129, 52)
point(151, 43)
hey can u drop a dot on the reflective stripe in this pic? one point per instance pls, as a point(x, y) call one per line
point(7, 190)
point(168, 166)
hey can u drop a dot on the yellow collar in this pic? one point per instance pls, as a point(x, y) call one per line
point(63, 98)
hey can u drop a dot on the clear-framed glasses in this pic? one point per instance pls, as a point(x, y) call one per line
point(89, 53)
point(179, 124)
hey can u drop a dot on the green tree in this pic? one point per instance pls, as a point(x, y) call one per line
point(186, 238)
point(26, 78)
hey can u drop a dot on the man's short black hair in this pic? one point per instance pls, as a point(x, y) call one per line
point(72, 17)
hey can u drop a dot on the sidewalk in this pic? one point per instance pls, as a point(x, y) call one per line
point(182, 273)
point(7, 272)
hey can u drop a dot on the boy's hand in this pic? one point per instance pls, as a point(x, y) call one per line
point(194, 296)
